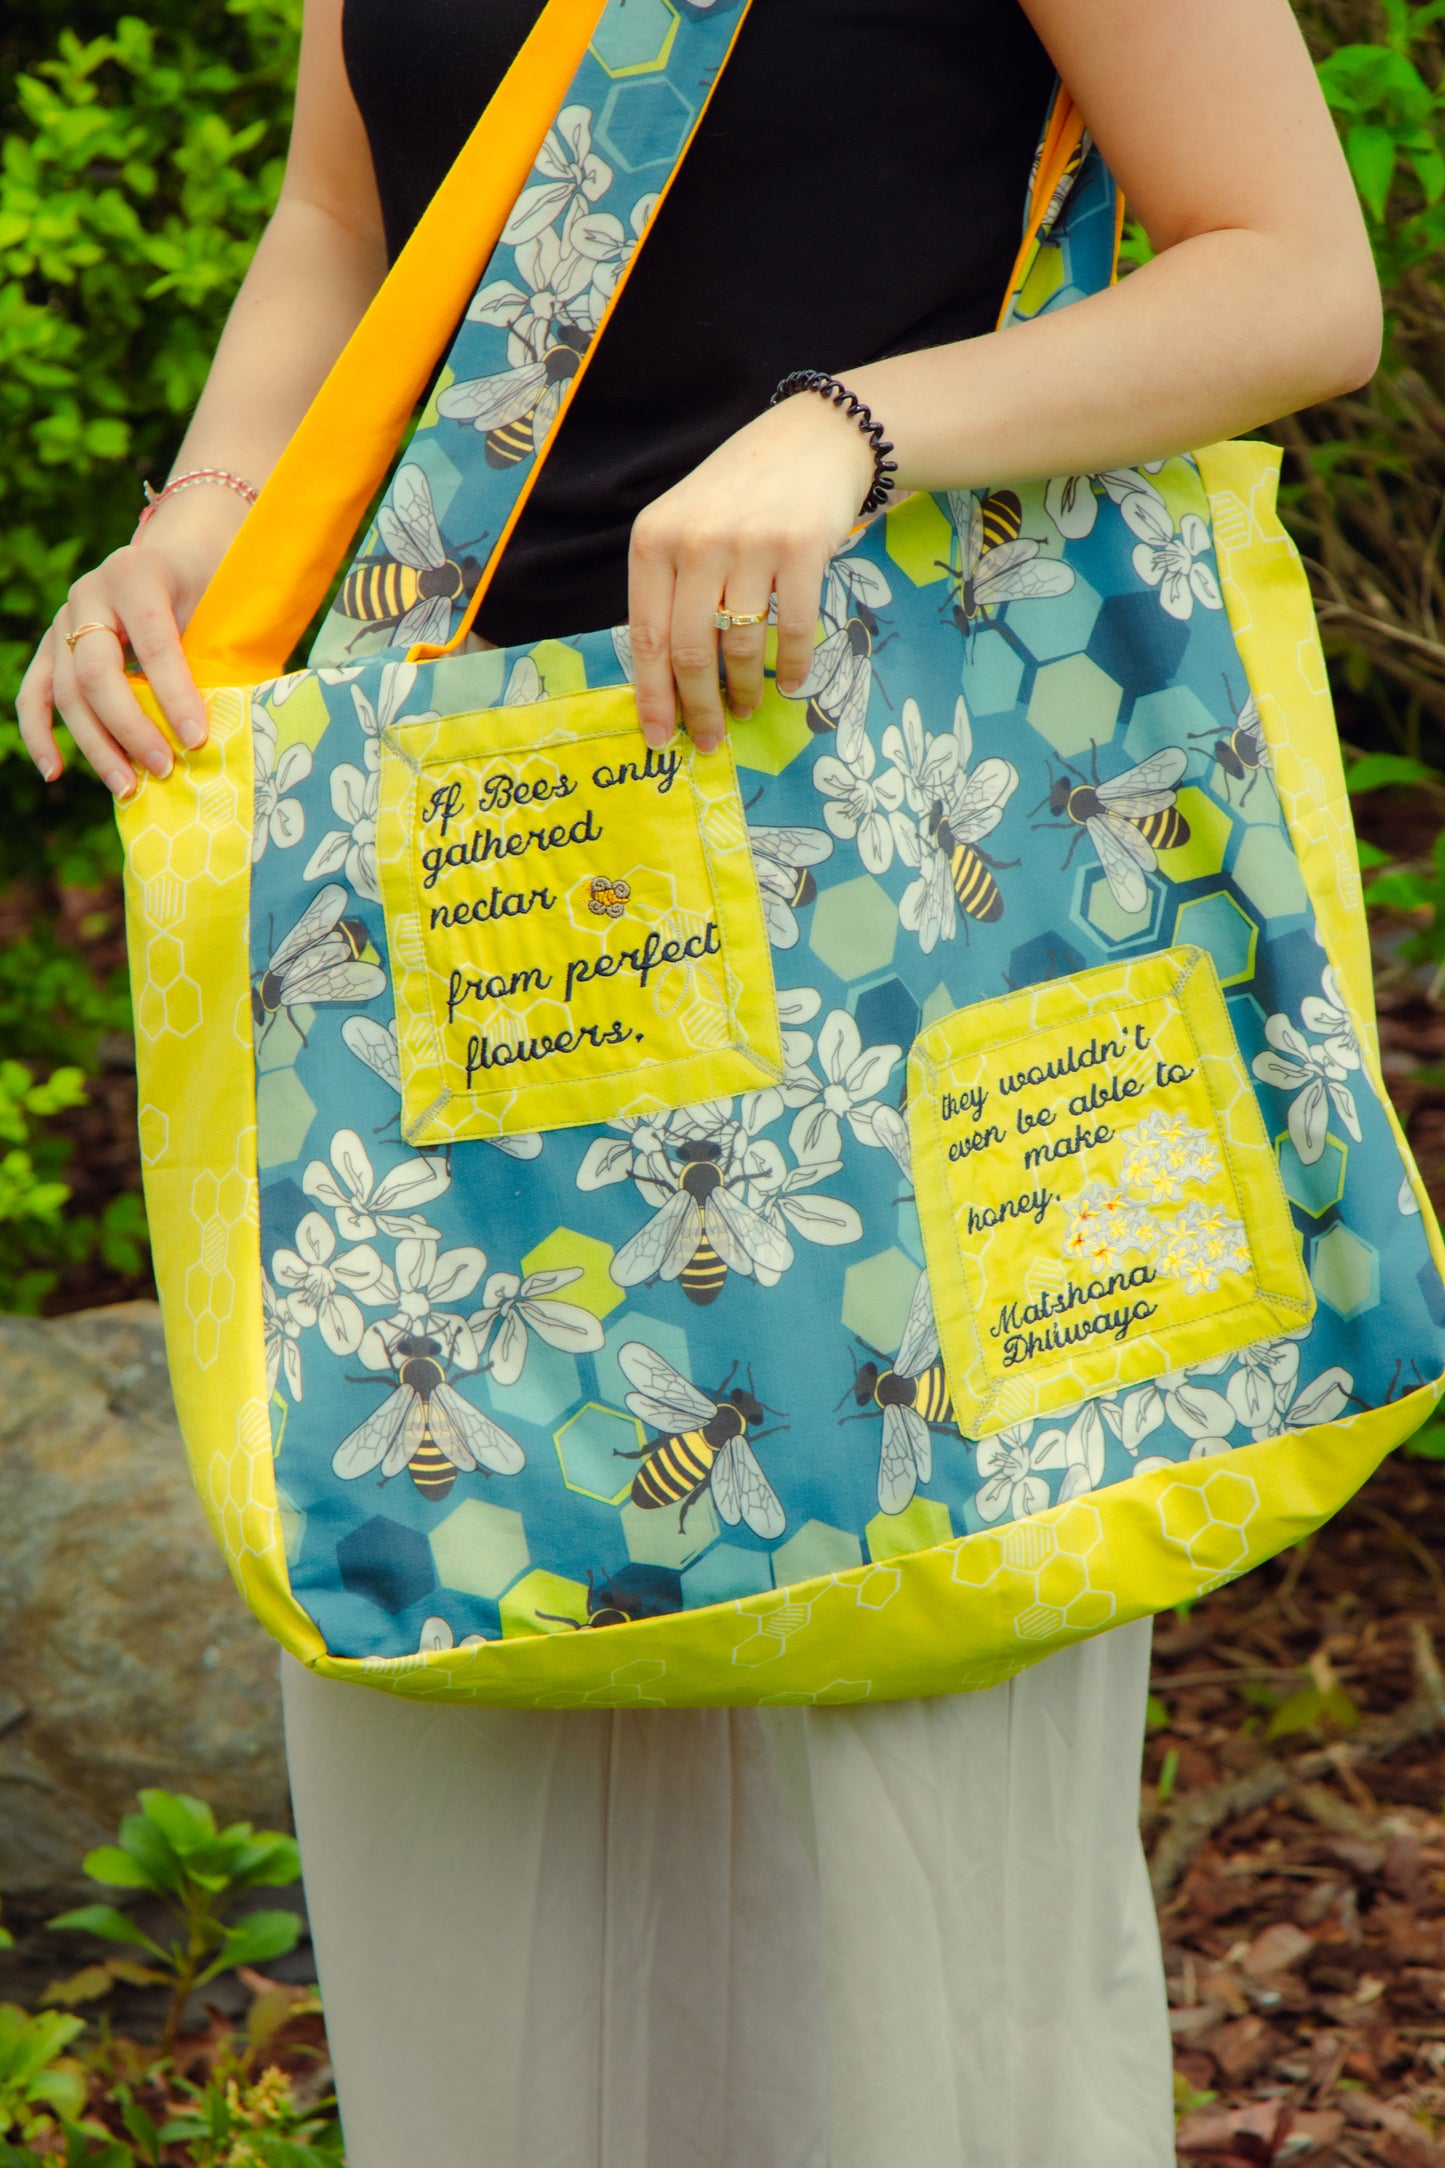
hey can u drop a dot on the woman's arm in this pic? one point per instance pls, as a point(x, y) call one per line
point(318, 264)
point(1262, 299)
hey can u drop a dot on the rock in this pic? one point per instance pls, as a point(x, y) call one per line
point(126, 1656)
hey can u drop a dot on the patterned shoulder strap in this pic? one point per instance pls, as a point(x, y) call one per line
point(532, 326)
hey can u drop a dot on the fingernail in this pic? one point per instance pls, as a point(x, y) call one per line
point(159, 762)
point(120, 785)
point(707, 745)
point(655, 734)
point(190, 731)
point(789, 692)
point(50, 770)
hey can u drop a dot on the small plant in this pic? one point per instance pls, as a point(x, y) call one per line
point(173, 1850)
point(38, 2081)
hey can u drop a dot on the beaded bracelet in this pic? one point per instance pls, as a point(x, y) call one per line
point(155, 498)
point(828, 387)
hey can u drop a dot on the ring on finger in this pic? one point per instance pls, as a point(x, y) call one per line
point(94, 624)
point(731, 620)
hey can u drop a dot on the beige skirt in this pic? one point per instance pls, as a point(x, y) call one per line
point(917, 1935)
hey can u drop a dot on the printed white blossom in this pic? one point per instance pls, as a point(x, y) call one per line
point(436, 1634)
point(1072, 500)
point(927, 767)
point(281, 1337)
point(1177, 1397)
point(1010, 1466)
point(571, 172)
point(1169, 561)
point(598, 238)
point(556, 279)
point(393, 691)
point(278, 819)
point(352, 847)
point(1407, 1204)
point(362, 1205)
point(510, 1305)
point(1201, 1244)
point(857, 806)
point(1316, 1077)
point(425, 1280)
point(1327, 1017)
point(1163, 1153)
point(312, 1292)
point(1262, 1384)
point(853, 1076)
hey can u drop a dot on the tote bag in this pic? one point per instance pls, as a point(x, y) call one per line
point(836, 1218)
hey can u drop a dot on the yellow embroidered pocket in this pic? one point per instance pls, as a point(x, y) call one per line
point(1099, 1198)
point(575, 925)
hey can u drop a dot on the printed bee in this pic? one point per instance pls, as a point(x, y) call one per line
point(702, 1444)
point(415, 587)
point(704, 1231)
point(977, 891)
point(633, 1593)
point(608, 898)
point(516, 408)
point(424, 1425)
point(1127, 819)
point(914, 1401)
point(998, 565)
point(1244, 754)
point(320, 960)
point(838, 683)
point(782, 857)
point(1063, 187)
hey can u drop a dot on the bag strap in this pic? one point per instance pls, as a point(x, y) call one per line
point(276, 572)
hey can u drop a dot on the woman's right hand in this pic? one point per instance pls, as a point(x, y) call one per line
point(143, 594)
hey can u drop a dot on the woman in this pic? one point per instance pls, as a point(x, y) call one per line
point(772, 1939)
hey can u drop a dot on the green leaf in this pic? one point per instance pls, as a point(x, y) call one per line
point(1168, 1777)
point(112, 1925)
point(1372, 154)
point(254, 1941)
point(1156, 1716)
point(1428, 1444)
point(1370, 855)
point(118, 1869)
point(1378, 771)
point(187, 1822)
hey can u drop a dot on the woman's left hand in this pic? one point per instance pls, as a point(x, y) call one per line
point(761, 516)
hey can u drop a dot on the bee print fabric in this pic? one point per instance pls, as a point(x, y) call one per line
point(700, 1352)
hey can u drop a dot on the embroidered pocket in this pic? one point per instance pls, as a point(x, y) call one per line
point(1098, 1195)
point(574, 922)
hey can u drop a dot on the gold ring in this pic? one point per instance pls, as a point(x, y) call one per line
point(96, 625)
point(725, 620)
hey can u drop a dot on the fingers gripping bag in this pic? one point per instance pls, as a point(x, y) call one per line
point(834, 1219)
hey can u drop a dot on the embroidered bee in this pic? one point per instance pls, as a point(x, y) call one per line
point(702, 1444)
point(321, 959)
point(997, 565)
point(415, 586)
point(1127, 819)
point(608, 898)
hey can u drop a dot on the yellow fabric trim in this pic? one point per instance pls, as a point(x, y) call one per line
point(187, 891)
point(277, 570)
point(675, 982)
point(1099, 1199)
point(1271, 613)
point(952, 1619)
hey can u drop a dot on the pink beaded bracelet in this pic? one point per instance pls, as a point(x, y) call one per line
point(155, 498)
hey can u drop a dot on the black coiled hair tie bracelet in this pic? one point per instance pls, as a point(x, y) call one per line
point(847, 402)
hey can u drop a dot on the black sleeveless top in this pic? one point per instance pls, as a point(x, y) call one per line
point(855, 190)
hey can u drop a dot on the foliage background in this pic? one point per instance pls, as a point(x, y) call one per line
point(141, 155)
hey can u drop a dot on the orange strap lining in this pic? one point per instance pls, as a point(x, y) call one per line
point(1062, 138)
point(283, 559)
